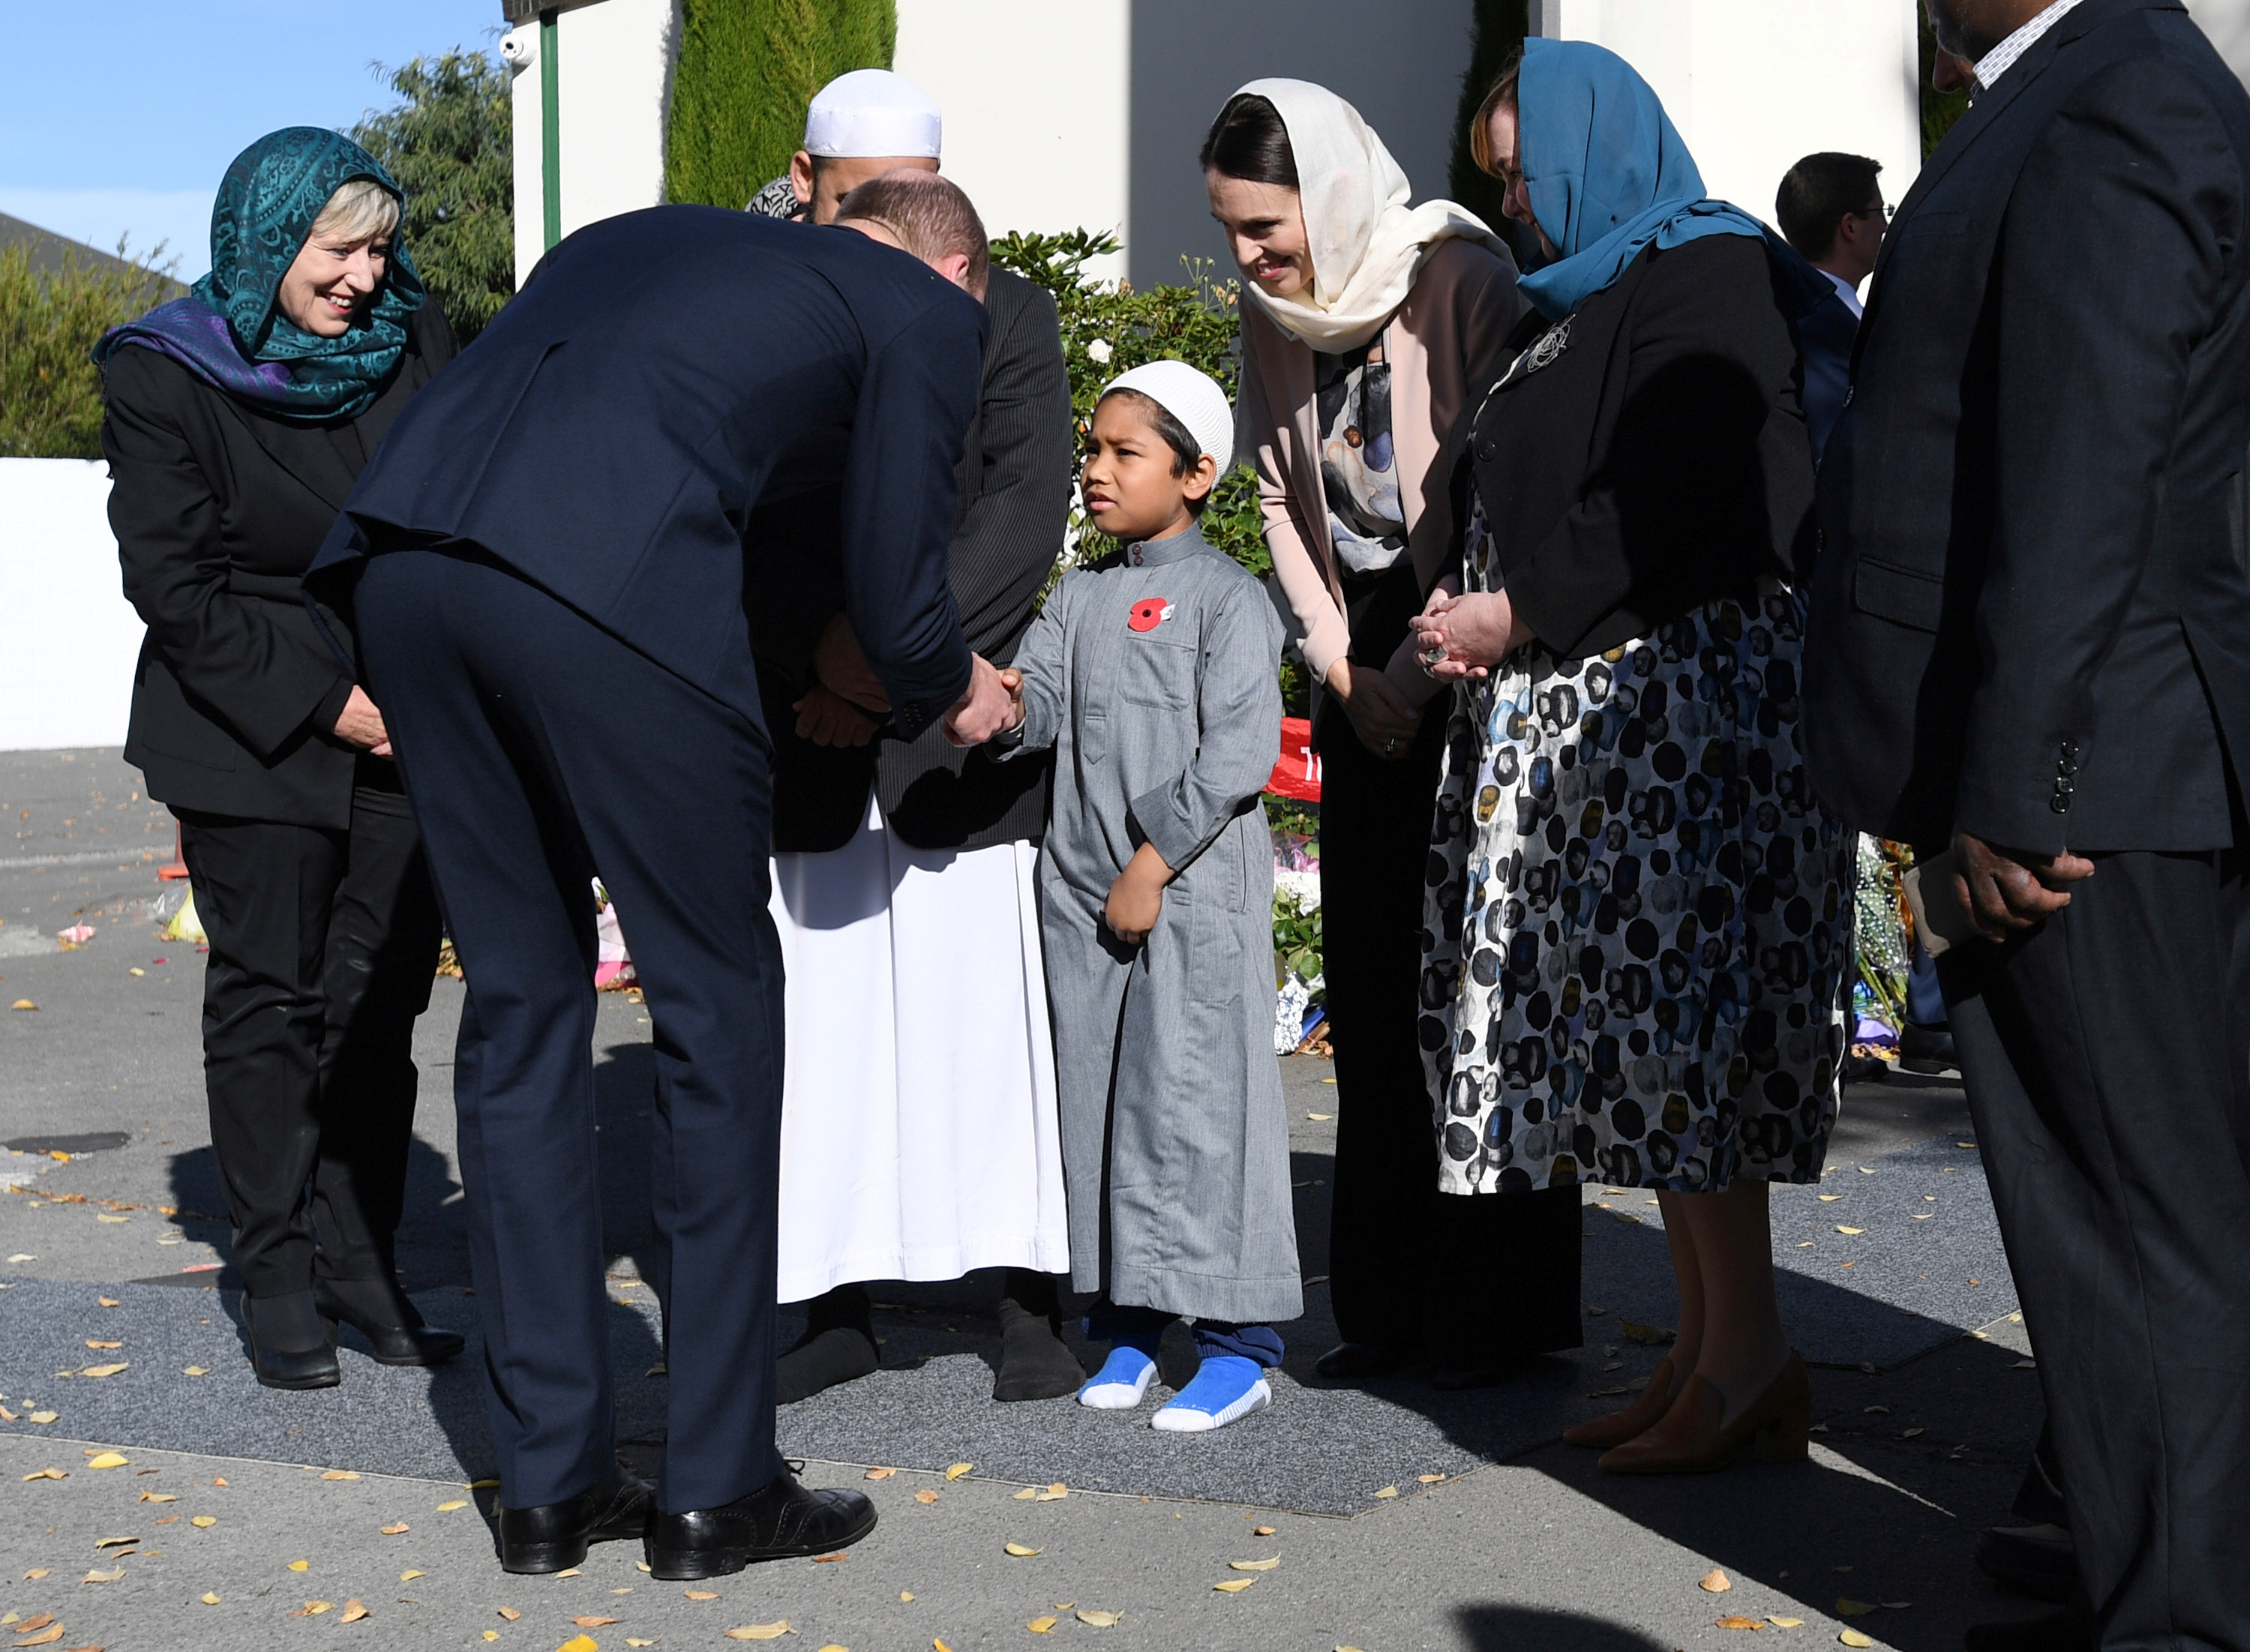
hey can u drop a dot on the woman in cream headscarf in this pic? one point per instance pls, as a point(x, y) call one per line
point(1366, 326)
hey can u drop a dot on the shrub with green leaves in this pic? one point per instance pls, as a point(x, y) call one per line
point(50, 321)
point(449, 142)
point(747, 73)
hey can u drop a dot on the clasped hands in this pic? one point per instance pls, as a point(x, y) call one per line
point(1455, 638)
point(848, 702)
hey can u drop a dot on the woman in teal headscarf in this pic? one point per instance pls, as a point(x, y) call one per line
point(237, 419)
point(1637, 938)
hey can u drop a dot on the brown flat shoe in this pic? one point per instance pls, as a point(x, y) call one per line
point(1643, 1414)
point(1695, 1438)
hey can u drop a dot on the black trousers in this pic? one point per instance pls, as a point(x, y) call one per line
point(2106, 1058)
point(539, 748)
point(322, 948)
point(1471, 1278)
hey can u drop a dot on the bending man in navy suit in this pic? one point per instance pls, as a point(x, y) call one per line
point(548, 560)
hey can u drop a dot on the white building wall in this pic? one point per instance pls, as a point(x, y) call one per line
point(1754, 85)
point(68, 638)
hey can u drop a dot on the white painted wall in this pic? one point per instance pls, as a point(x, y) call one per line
point(68, 638)
point(1754, 85)
point(616, 59)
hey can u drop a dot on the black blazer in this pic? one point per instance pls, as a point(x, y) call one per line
point(1656, 458)
point(1015, 477)
point(673, 398)
point(218, 509)
point(1824, 341)
point(2030, 618)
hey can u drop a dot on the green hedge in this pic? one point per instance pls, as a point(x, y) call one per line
point(747, 73)
point(50, 389)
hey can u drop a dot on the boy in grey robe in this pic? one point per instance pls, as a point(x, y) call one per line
point(1152, 676)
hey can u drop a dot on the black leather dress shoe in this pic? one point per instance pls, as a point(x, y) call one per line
point(1360, 1361)
point(554, 1536)
point(290, 1347)
point(2037, 1560)
point(391, 1324)
point(1928, 1049)
point(778, 1519)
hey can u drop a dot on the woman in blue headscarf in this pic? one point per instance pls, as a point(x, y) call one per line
point(1636, 958)
point(237, 419)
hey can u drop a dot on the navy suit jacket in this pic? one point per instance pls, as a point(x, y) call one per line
point(2029, 616)
point(683, 396)
point(1825, 339)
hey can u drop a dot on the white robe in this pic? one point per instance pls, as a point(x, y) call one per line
point(920, 1136)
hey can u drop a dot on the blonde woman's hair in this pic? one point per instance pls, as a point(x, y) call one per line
point(360, 210)
point(1503, 95)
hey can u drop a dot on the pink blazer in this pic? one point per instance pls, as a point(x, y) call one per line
point(1445, 343)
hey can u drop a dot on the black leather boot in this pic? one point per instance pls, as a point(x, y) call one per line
point(779, 1519)
point(382, 1313)
point(291, 1346)
point(554, 1536)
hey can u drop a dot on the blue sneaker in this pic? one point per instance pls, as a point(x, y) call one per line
point(1228, 1388)
point(1123, 1381)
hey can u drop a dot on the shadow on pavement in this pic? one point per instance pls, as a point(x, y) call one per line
point(1516, 1629)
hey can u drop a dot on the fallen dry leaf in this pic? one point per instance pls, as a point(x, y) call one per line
point(115, 1543)
point(22, 1003)
point(54, 1633)
point(1019, 1551)
point(395, 1529)
point(1388, 1491)
point(940, 1646)
point(1715, 1582)
point(881, 1474)
point(340, 1473)
point(1830, 1198)
point(207, 1521)
point(1786, 1623)
point(108, 1302)
point(631, 1641)
point(457, 1503)
point(906, 1594)
point(210, 1600)
point(1233, 1586)
point(194, 1371)
point(1896, 1605)
point(1027, 1494)
point(823, 1559)
point(35, 1573)
point(1053, 1492)
point(158, 1497)
point(1430, 1479)
point(48, 1474)
point(1913, 1433)
point(1840, 1229)
point(38, 1622)
point(314, 1608)
point(700, 1594)
point(108, 1460)
point(1261, 1531)
point(482, 1485)
point(408, 1577)
point(1265, 1565)
point(509, 1613)
point(580, 1643)
point(103, 1577)
point(593, 1623)
point(1854, 1638)
point(1737, 1623)
point(1102, 1620)
point(91, 1342)
point(1652, 1335)
point(1847, 1608)
point(1040, 1626)
point(959, 1470)
point(45, 1416)
point(492, 1634)
point(925, 1496)
point(353, 1612)
point(103, 1371)
point(772, 1631)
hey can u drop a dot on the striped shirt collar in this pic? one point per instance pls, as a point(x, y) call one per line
point(1996, 63)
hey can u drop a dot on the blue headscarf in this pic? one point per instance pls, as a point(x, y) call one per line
point(228, 330)
point(1606, 172)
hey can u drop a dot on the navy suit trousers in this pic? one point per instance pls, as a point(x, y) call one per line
point(539, 749)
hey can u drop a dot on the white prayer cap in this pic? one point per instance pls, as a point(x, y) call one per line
point(1192, 397)
point(871, 113)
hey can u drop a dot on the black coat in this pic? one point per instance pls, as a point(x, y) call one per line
point(1658, 460)
point(1015, 476)
point(2030, 618)
point(1826, 337)
point(672, 399)
point(219, 509)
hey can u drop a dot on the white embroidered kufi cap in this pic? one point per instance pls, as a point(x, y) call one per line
point(1189, 396)
point(873, 112)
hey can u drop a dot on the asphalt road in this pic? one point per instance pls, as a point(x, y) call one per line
point(1540, 1551)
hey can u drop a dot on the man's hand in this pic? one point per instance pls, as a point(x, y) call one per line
point(842, 667)
point(986, 709)
point(1136, 900)
point(2006, 890)
point(825, 718)
point(1012, 680)
point(361, 725)
point(1379, 713)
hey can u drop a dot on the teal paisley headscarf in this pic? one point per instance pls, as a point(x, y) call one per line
point(229, 332)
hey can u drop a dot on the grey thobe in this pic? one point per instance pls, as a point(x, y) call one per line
point(1152, 674)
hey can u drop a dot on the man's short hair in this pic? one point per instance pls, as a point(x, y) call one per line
point(1816, 192)
point(930, 217)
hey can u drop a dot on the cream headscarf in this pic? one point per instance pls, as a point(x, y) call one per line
point(1367, 243)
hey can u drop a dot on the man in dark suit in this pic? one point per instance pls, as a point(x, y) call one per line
point(2030, 642)
point(1832, 210)
point(931, 873)
point(552, 553)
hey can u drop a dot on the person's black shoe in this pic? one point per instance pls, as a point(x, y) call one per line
point(379, 1311)
point(1927, 1049)
point(2037, 1560)
point(1035, 1364)
point(554, 1536)
point(838, 1346)
point(2063, 1631)
point(290, 1345)
point(1363, 1361)
point(779, 1519)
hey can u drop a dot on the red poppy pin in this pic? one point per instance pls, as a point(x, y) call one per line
point(1148, 613)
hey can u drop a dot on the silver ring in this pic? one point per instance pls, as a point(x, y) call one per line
point(1391, 747)
point(1433, 656)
